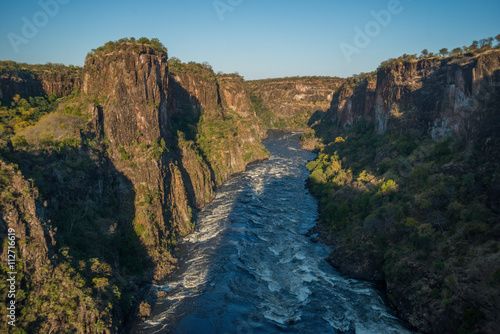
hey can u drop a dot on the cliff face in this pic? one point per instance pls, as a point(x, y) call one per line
point(41, 274)
point(21, 214)
point(119, 191)
point(131, 89)
point(438, 96)
point(290, 102)
point(128, 87)
point(234, 94)
point(164, 136)
point(37, 80)
point(213, 112)
point(410, 166)
point(353, 101)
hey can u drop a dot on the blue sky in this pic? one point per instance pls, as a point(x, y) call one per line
point(257, 38)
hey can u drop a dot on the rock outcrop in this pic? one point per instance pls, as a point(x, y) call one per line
point(435, 119)
point(353, 101)
point(290, 102)
point(162, 127)
point(37, 80)
point(440, 96)
point(36, 270)
point(122, 190)
point(25, 217)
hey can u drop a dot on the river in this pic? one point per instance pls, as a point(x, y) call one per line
point(249, 268)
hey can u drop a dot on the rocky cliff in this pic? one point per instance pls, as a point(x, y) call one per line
point(214, 113)
point(160, 127)
point(408, 184)
point(37, 80)
point(128, 89)
point(38, 271)
point(354, 101)
point(440, 96)
point(289, 103)
point(137, 152)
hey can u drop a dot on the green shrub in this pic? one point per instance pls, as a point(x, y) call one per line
point(123, 154)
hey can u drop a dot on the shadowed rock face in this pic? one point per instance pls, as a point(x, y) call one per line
point(140, 107)
point(430, 98)
point(128, 87)
point(353, 102)
point(24, 216)
point(31, 80)
point(159, 144)
point(446, 95)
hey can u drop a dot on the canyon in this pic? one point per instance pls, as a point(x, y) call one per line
point(101, 190)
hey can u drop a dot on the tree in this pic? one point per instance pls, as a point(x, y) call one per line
point(456, 52)
point(206, 65)
point(489, 42)
point(155, 42)
point(474, 46)
point(174, 60)
point(443, 52)
point(497, 37)
point(407, 57)
point(482, 43)
point(425, 53)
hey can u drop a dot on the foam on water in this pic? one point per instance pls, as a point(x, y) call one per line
point(249, 255)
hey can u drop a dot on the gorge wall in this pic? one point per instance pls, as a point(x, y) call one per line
point(37, 80)
point(408, 167)
point(183, 111)
point(114, 195)
point(100, 190)
point(441, 96)
point(289, 103)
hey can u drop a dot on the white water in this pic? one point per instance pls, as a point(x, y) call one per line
point(249, 268)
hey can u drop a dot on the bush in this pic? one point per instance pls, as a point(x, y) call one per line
point(123, 154)
point(388, 187)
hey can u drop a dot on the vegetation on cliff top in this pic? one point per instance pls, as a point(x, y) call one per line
point(175, 65)
point(476, 47)
point(49, 69)
point(129, 44)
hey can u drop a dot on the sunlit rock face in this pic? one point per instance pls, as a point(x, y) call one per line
point(439, 96)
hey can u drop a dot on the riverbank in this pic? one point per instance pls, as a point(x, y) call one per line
point(405, 210)
point(249, 266)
